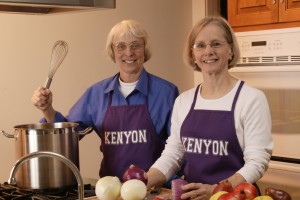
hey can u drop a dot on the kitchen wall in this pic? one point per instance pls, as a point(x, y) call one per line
point(26, 42)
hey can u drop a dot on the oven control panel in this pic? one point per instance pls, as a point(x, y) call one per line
point(270, 46)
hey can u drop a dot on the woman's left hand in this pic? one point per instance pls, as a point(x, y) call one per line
point(197, 191)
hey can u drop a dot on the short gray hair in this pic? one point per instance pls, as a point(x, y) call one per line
point(131, 28)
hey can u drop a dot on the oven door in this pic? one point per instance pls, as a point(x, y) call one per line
point(281, 84)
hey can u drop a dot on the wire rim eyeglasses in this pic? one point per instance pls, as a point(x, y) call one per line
point(201, 46)
point(134, 46)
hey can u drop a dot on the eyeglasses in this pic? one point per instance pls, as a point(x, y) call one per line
point(134, 46)
point(201, 46)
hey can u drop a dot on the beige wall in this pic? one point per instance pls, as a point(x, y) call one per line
point(26, 42)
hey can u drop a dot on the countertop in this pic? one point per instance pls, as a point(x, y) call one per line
point(165, 194)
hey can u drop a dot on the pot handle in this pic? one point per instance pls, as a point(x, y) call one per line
point(85, 131)
point(12, 180)
point(7, 134)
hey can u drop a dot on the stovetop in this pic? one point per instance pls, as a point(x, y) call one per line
point(12, 192)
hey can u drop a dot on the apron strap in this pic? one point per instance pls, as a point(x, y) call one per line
point(237, 95)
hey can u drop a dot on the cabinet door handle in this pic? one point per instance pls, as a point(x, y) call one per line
point(274, 1)
point(281, 1)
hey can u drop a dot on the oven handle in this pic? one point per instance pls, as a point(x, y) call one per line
point(283, 167)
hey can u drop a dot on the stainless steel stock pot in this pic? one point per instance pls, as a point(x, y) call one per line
point(46, 172)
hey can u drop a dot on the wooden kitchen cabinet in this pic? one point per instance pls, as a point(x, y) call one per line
point(289, 11)
point(246, 15)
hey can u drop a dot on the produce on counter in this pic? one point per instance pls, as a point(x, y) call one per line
point(234, 195)
point(134, 172)
point(224, 185)
point(278, 194)
point(264, 197)
point(246, 191)
point(176, 187)
point(249, 189)
point(216, 195)
point(133, 189)
point(108, 188)
point(243, 191)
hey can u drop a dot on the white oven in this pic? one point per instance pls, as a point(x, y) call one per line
point(270, 61)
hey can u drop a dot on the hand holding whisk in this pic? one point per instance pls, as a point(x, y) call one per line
point(59, 52)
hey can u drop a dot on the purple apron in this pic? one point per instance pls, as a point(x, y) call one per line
point(128, 137)
point(212, 150)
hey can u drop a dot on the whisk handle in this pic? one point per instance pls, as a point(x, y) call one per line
point(48, 83)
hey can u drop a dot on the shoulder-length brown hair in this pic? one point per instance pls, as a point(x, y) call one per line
point(228, 34)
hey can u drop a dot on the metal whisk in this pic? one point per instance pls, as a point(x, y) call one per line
point(59, 52)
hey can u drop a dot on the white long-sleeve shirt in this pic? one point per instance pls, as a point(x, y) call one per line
point(253, 128)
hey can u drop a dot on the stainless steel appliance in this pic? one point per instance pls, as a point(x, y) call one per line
point(270, 61)
point(47, 173)
point(13, 192)
point(10, 190)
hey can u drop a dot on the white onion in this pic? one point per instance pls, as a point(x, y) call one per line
point(108, 188)
point(133, 189)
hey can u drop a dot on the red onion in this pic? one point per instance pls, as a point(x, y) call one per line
point(177, 188)
point(134, 172)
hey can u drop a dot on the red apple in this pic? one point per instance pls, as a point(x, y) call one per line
point(249, 189)
point(134, 172)
point(224, 185)
point(234, 195)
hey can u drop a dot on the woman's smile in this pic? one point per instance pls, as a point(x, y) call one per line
point(209, 61)
point(129, 61)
